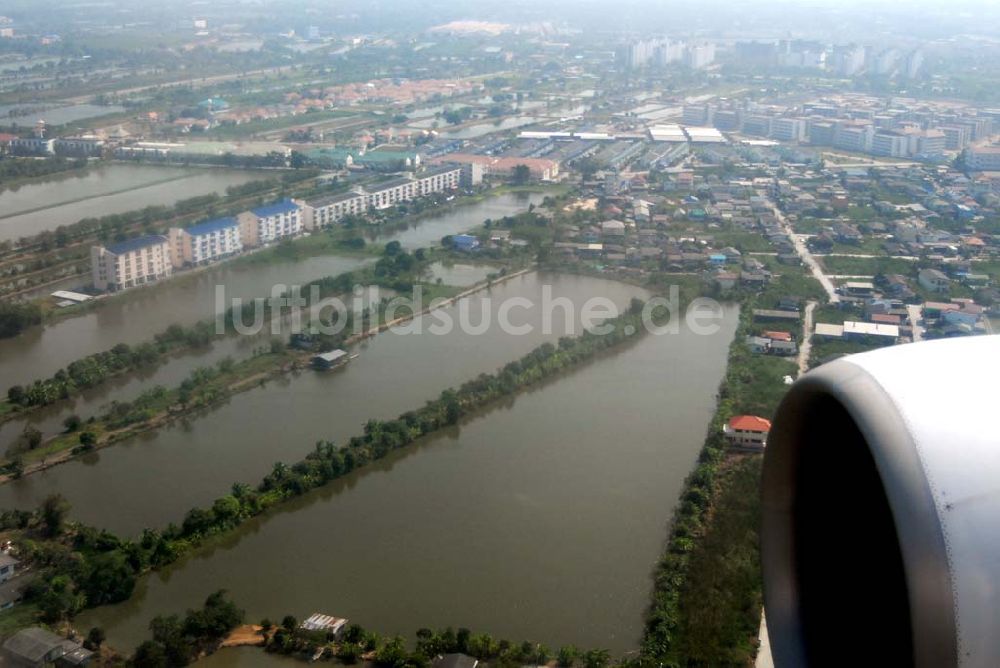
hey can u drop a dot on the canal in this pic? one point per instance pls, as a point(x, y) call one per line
point(137, 315)
point(115, 188)
point(539, 519)
point(240, 440)
point(49, 420)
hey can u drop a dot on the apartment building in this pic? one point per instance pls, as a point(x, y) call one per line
point(78, 147)
point(270, 222)
point(326, 211)
point(890, 144)
point(788, 129)
point(32, 146)
point(130, 263)
point(696, 114)
point(853, 137)
point(956, 137)
point(205, 242)
point(984, 159)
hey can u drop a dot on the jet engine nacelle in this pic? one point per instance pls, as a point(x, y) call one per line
point(880, 537)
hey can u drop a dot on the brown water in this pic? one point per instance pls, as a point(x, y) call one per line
point(540, 519)
point(116, 188)
point(137, 315)
point(140, 478)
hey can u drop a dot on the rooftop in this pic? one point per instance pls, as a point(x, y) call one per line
point(210, 226)
point(749, 423)
point(275, 209)
point(137, 243)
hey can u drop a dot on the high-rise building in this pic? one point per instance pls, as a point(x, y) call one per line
point(699, 56)
point(848, 60)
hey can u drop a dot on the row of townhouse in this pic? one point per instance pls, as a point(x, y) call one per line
point(154, 257)
point(328, 210)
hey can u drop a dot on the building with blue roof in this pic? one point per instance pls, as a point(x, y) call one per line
point(205, 242)
point(270, 222)
point(138, 261)
point(465, 242)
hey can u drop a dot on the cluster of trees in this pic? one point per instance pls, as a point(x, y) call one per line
point(393, 652)
point(15, 318)
point(26, 168)
point(177, 642)
point(94, 369)
point(75, 567)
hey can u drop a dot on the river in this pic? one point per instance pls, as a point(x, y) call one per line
point(538, 519)
point(137, 315)
point(114, 188)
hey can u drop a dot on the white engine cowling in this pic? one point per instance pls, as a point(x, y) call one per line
point(880, 537)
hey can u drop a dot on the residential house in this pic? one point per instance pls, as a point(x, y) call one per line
point(934, 280)
point(8, 564)
point(35, 647)
point(784, 348)
point(747, 432)
point(758, 344)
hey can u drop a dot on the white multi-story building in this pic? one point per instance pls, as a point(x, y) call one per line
point(890, 144)
point(696, 114)
point(32, 146)
point(205, 242)
point(984, 159)
point(131, 263)
point(699, 56)
point(788, 129)
point(326, 211)
point(956, 137)
point(931, 142)
point(270, 222)
point(853, 137)
point(403, 189)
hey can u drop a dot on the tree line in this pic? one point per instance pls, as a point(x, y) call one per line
point(15, 169)
point(394, 652)
point(92, 370)
point(78, 567)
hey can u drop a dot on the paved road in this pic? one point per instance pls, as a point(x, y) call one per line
point(807, 257)
point(764, 659)
point(807, 332)
point(913, 310)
